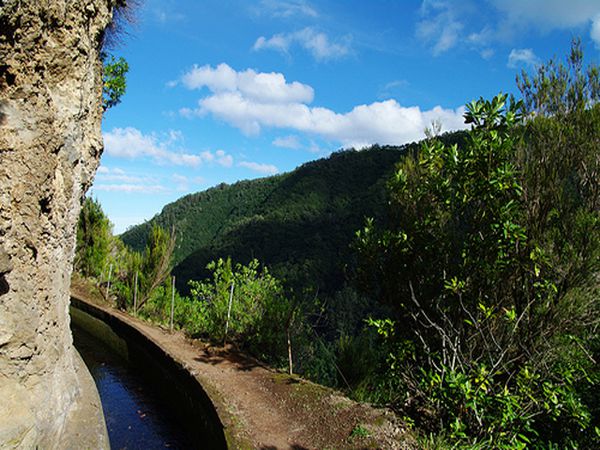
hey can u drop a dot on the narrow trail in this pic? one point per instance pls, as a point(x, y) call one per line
point(265, 409)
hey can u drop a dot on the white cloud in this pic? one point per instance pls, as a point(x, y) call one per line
point(131, 188)
point(121, 178)
point(286, 9)
point(595, 31)
point(439, 26)
point(448, 37)
point(105, 174)
point(482, 41)
point(221, 78)
point(316, 148)
point(447, 24)
point(188, 113)
point(385, 122)
point(131, 143)
point(181, 182)
point(207, 156)
point(223, 159)
point(487, 53)
point(287, 142)
point(165, 14)
point(392, 87)
point(524, 56)
point(395, 84)
point(549, 14)
point(271, 87)
point(482, 37)
point(266, 169)
point(316, 43)
point(117, 180)
point(279, 42)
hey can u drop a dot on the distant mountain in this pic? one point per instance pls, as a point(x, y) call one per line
point(301, 224)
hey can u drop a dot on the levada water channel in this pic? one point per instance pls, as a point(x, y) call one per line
point(148, 402)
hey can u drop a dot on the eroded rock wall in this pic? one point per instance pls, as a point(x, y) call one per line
point(50, 145)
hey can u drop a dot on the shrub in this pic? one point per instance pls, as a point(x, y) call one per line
point(259, 310)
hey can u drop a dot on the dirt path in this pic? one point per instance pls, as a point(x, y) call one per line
point(265, 409)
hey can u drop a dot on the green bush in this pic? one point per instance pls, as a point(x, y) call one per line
point(259, 311)
point(480, 296)
point(93, 239)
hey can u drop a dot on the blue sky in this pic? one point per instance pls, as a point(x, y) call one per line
point(224, 90)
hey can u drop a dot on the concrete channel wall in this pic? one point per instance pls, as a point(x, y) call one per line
point(177, 385)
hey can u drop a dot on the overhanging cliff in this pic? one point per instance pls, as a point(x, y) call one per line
point(50, 145)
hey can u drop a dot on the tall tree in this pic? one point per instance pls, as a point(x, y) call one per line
point(156, 261)
point(93, 239)
point(560, 164)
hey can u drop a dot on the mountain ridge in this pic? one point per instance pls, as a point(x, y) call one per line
point(300, 224)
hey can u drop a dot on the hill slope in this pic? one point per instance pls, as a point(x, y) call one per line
point(300, 224)
point(301, 221)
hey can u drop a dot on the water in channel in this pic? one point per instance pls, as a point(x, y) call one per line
point(135, 417)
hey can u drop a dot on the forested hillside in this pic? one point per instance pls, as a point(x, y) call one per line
point(300, 224)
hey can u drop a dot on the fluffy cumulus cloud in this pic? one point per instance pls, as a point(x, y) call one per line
point(131, 143)
point(523, 56)
point(271, 87)
point(385, 122)
point(317, 43)
point(265, 169)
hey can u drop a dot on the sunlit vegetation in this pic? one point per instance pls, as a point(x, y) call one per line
point(114, 78)
point(490, 262)
point(468, 301)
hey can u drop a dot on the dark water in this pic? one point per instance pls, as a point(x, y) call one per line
point(136, 418)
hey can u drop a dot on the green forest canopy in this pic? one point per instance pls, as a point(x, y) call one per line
point(301, 224)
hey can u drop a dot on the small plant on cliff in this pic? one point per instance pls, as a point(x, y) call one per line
point(114, 80)
point(114, 70)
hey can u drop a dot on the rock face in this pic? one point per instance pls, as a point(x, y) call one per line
point(50, 145)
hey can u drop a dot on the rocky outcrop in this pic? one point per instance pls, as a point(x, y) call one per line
point(50, 144)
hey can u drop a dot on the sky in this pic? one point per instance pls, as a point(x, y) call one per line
point(224, 90)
